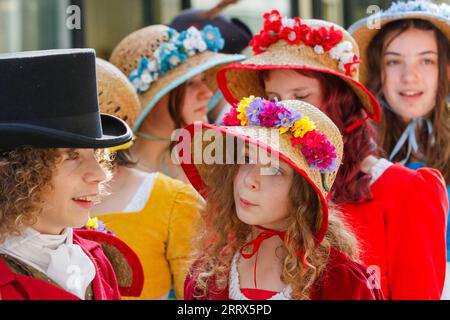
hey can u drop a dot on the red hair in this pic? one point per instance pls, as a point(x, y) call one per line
point(344, 108)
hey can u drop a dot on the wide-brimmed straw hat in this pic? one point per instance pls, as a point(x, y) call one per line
point(292, 131)
point(48, 99)
point(157, 59)
point(299, 45)
point(366, 29)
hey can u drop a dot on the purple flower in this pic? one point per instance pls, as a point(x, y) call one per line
point(287, 119)
point(269, 116)
point(254, 110)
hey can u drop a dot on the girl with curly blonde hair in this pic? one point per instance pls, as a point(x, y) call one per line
point(268, 231)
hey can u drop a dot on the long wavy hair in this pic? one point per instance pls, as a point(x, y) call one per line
point(343, 107)
point(437, 154)
point(223, 234)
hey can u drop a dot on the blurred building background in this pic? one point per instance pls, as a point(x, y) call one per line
point(42, 24)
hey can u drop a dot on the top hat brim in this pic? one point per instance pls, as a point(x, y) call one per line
point(13, 135)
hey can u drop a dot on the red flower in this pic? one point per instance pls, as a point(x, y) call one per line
point(230, 118)
point(292, 36)
point(261, 41)
point(272, 21)
point(305, 34)
point(325, 38)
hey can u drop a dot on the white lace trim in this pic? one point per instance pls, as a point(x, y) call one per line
point(235, 292)
point(378, 169)
point(140, 199)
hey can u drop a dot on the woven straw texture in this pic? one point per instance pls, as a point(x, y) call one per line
point(281, 143)
point(144, 42)
point(116, 95)
point(242, 79)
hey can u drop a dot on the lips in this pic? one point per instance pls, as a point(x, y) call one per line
point(411, 93)
point(87, 201)
point(201, 109)
point(246, 204)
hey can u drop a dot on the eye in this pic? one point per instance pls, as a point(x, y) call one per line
point(427, 62)
point(72, 155)
point(392, 62)
point(275, 98)
point(298, 97)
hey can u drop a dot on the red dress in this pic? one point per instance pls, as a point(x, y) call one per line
point(402, 231)
point(20, 287)
point(343, 279)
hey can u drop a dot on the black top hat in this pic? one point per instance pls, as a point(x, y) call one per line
point(48, 99)
point(236, 33)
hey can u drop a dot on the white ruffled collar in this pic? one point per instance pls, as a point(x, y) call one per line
point(235, 292)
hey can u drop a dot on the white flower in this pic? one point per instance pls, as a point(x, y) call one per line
point(188, 44)
point(143, 86)
point(152, 67)
point(342, 48)
point(202, 46)
point(136, 83)
point(319, 49)
point(347, 57)
point(289, 23)
point(146, 77)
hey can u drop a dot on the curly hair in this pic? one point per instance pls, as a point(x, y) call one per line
point(437, 154)
point(223, 234)
point(25, 177)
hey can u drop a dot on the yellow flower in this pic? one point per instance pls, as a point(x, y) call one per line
point(92, 223)
point(303, 126)
point(284, 129)
point(243, 104)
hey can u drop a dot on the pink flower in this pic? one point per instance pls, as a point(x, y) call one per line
point(269, 117)
point(230, 118)
point(318, 150)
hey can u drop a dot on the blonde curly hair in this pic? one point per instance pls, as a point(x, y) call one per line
point(223, 234)
point(25, 177)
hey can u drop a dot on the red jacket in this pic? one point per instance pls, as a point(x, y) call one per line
point(20, 287)
point(343, 279)
point(402, 231)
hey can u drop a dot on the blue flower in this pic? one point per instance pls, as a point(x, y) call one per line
point(287, 119)
point(254, 109)
point(213, 38)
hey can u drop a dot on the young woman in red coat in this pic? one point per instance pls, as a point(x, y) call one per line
point(398, 215)
point(51, 171)
point(269, 233)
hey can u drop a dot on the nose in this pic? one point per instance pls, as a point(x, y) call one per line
point(204, 92)
point(252, 177)
point(410, 73)
point(95, 173)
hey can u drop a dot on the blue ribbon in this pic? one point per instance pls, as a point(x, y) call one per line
point(408, 135)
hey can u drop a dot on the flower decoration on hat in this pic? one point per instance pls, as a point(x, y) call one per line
point(317, 149)
point(178, 48)
point(294, 32)
point(420, 5)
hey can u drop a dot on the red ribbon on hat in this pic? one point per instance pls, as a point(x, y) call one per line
point(256, 244)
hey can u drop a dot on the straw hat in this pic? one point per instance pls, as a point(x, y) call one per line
point(438, 15)
point(303, 45)
point(157, 59)
point(116, 95)
point(269, 137)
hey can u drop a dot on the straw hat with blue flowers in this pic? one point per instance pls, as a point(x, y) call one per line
point(157, 59)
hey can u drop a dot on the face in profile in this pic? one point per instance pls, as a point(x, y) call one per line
point(76, 187)
point(410, 73)
point(195, 102)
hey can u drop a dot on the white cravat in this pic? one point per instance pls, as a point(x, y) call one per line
point(56, 256)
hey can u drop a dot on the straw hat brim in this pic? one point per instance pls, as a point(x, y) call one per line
point(364, 35)
point(239, 80)
point(116, 94)
point(208, 61)
point(280, 147)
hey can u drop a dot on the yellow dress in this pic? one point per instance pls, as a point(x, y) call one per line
point(161, 234)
